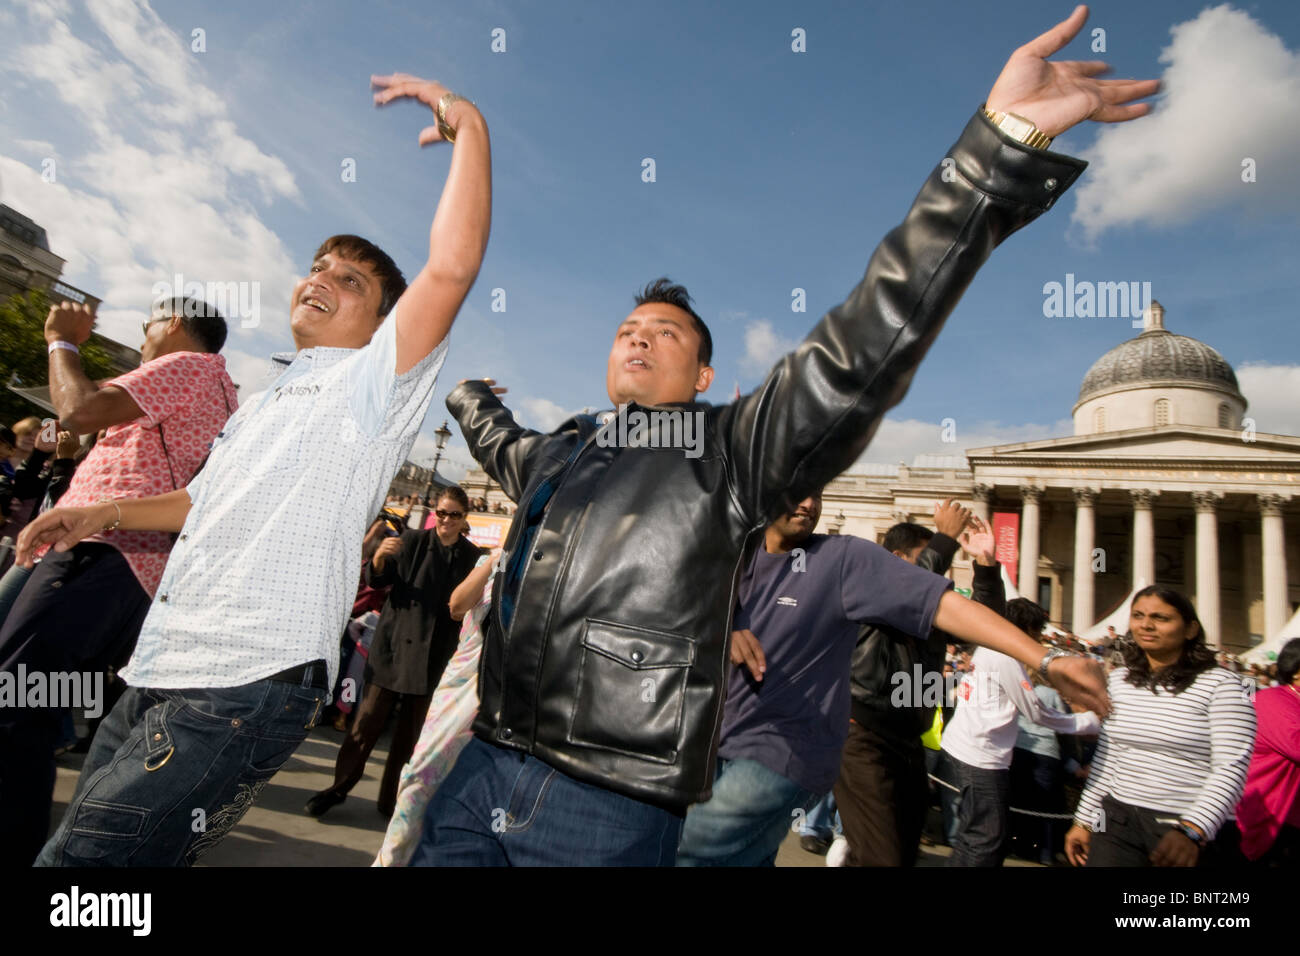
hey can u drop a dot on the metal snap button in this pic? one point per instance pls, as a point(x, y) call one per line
point(537, 555)
point(56, 584)
point(1049, 185)
point(157, 736)
point(236, 722)
point(637, 657)
point(506, 733)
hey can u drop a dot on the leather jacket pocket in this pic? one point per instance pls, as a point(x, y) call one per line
point(631, 691)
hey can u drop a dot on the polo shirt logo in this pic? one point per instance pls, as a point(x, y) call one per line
point(284, 390)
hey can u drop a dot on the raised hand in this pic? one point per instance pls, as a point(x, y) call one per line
point(1056, 96)
point(490, 382)
point(403, 85)
point(69, 322)
point(978, 541)
point(950, 518)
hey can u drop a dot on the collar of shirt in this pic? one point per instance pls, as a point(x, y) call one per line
point(321, 357)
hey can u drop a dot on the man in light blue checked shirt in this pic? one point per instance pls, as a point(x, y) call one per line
point(241, 644)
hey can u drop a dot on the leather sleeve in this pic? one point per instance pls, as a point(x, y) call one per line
point(507, 451)
point(987, 588)
point(821, 404)
point(938, 554)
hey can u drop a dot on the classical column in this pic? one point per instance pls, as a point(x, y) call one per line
point(1028, 583)
point(1085, 537)
point(982, 498)
point(1274, 540)
point(1207, 563)
point(1144, 538)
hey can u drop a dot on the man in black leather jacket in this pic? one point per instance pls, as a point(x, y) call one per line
point(604, 655)
point(882, 791)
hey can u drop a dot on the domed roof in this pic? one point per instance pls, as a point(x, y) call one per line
point(1157, 355)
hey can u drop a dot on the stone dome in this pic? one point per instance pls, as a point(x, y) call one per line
point(1158, 356)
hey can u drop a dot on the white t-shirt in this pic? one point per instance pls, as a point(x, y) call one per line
point(997, 688)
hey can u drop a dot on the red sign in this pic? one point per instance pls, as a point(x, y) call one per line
point(1006, 534)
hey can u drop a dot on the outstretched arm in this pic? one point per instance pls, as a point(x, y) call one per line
point(818, 409)
point(459, 235)
point(1077, 678)
point(64, 527)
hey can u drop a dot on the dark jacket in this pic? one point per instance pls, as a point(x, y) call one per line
point(416, 635)
point(882, 652)
point(613, 666)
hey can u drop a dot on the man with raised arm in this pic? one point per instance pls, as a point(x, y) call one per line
point(241, 642)
point(605, 654)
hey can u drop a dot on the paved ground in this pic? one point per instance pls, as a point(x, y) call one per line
point(276, 832)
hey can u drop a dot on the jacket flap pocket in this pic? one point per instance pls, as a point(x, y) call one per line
point(637, 647)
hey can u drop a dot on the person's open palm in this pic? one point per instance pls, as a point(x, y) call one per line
point(1057, 95)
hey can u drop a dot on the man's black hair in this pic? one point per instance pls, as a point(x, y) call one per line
point(1028, 616)
point(905, 536)
point(201, 321)
point(1288, 661)
point(663, 290)
point(391, 281)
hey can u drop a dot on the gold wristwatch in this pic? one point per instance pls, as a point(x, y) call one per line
point(1019, 129)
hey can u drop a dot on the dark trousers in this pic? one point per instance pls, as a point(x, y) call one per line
point(1037, 783)
point(79, 611)
point(371, 716)
point(980, 837)
point(1128, 835)
point(882, 794)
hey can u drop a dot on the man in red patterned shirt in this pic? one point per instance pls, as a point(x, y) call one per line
point(82, 609)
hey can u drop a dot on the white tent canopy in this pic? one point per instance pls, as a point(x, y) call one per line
point(1117, 619)
point(1266, 652)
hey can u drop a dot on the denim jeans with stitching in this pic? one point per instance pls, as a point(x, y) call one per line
point(171, 772)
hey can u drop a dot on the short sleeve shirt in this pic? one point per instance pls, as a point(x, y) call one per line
point(185, 398)
point(265, 570)
point(805, 608)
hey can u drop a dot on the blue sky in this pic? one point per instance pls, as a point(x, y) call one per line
point(775, 170)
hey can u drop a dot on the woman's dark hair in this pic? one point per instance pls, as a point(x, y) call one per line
point(1195, 658)
point(1288, 661)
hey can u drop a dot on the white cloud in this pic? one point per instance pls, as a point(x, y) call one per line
point(902, 440)
point(1271, 391)
point(542, 414)
point(159, 183)
point(1230, 90)
point(763, 347)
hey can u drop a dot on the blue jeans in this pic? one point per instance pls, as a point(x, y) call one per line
point(823, 820)
point(171, 772)
point(502, 807)
point(743, 824)
point(11, 584)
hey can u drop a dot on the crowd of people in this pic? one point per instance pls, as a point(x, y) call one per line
point(665, 663)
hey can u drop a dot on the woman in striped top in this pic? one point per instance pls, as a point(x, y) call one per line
point(1172, 759)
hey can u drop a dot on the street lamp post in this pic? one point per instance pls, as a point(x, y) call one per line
point(443, 433)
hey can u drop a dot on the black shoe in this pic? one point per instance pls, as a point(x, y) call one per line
point(815, 844)
point(318, 805)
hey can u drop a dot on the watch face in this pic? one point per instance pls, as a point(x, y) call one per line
point(1015, 127)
